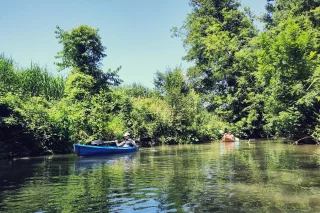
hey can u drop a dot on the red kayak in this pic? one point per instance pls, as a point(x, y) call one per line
point(228, 138)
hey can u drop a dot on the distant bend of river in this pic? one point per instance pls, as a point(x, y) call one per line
point(267, 176)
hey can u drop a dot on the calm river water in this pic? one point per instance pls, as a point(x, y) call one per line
point(267, 176)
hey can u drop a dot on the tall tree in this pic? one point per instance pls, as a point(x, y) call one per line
point(82, 48)
point(280, 10)
point(213, 33)
point(287, 61)
point(83, 52)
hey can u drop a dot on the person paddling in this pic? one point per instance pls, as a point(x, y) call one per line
point(127, 141)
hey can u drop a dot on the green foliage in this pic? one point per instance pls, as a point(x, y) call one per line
point(253, 84)
point(172, 84)
point(136, 90)
point(82, 48)
point(149, 118)
point(287, 61)
point(36, 81)
point(189, 120)
point(52, 113)
point(33, 81)
point(25, 126)
point(7, 74)
point(83, 51)
point(25, 97)
point(78, 86)
point(218, 37)
point(44, 114)
point(214, 33)
point(280, 10)
point(262, 84)
point(91, 117)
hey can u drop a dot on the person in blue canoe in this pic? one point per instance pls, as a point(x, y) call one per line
point(127, 141)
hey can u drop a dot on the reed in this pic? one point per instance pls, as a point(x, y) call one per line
point(38, 81)
point(7, 75)
point(33, 81)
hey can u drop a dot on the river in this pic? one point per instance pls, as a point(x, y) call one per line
point(266, 176)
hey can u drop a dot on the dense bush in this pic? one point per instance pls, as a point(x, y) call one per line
point(262, 83)
point(42, 113)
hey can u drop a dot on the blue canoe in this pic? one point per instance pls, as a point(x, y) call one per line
point(87, 150)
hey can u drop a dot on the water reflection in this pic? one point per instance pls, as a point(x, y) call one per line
point(227, 147)
point(215, 177)
point(100, 161)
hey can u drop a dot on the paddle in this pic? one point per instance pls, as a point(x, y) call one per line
point(99, 142)
point(109, 141)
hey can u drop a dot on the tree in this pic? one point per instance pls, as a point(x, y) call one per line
point(190, 120)
point(83, 52)
point(82, 48)
point(173, 85)
point(280, 10)
point(287, 63)
point(214, 33)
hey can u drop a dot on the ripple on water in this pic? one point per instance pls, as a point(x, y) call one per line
point(269, 178)
point(149, 189)
point(117, 194)
point(142, 205)
point(190, 207)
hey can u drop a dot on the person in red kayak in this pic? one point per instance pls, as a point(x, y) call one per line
point(127, 141)
point(228, 137)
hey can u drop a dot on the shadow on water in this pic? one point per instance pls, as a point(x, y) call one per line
point(15, 172)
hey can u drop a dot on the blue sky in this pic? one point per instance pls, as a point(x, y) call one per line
point(136, 33)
